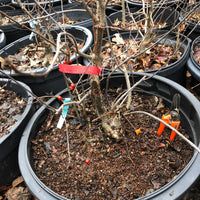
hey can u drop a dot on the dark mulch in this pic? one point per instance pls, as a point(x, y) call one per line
point(12, 106)
point(99, 167)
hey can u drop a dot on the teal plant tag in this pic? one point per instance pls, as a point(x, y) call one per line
point(63, 114)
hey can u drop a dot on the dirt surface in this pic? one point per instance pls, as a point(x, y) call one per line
point(100, 168)
point(11, 106)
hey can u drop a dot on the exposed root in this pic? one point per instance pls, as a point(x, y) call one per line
point(112, 127)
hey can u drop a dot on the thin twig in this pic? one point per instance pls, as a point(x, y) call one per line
point(124, 96)
point(72, 102)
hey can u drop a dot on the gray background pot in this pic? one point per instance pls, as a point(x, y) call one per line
point(31, 3)
point(168, 15)
point(14, 31)
point(2, 39)
point(175, 71)
point(9, 143)
point(194, 66)
point(159, 86)
point(74, 12)
point(192, 30)
point(54, 82)
point(171, 3)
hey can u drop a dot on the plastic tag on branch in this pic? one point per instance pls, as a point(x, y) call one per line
point(32, 25)
point(63, 114)
point(79, 69)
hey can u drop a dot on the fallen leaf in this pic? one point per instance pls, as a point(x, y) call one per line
point(118, 39)
point(18, 193)
point(17, 181)
point(138, 131)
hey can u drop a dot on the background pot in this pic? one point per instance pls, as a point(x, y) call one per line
point(4, 2)
point(175, 71)
point(54, 82)
point(14, 31)
point(109, 9)
point(74, 12)
point(2, 39)
point(164, 15)
point(9, 143)
point(159, 86)
point(31, 3)
point(190, 26)
point(172, 3)
point(194, 66)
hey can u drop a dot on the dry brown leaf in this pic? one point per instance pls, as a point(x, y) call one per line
point(118, 39)
point(18, 193)
point(2, 60)
point(17, 181)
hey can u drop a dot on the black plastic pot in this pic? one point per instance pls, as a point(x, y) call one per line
point(159, 86)
point(164, 15)
point(31, 3)
point(113, 8)
point(55, 81)
point(194, 66)
point(192, 30)
point(9, 143)
point(175, 71)
point(74, 12)
point(4, 2)
point(2, 39)
point(160, 4)
point(109, 9)
point(14, 31)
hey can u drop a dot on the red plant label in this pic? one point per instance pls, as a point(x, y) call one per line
point(76, 69)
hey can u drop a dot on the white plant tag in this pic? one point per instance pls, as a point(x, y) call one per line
point(63, 114)
point(32, 25)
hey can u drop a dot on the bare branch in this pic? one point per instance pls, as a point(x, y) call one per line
point(72, 102)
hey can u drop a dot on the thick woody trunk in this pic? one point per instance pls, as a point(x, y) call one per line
point(110, 123)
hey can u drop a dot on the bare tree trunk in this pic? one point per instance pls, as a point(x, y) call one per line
point(149, 24)
point(110, 124)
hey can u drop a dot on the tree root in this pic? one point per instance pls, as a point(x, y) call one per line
point(112, 127)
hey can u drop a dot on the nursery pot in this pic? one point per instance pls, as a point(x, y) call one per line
point(14, 31)
point(55, 81)
point(9, 142)
point(192, 29)
point(159, 4)
point(2, 39)
point(31, 3)
point(163, 15)
point(111, 8)
point(175, 71)
point(4, 2)
point(73, 12)
point(194, 66)
point(159, 86)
